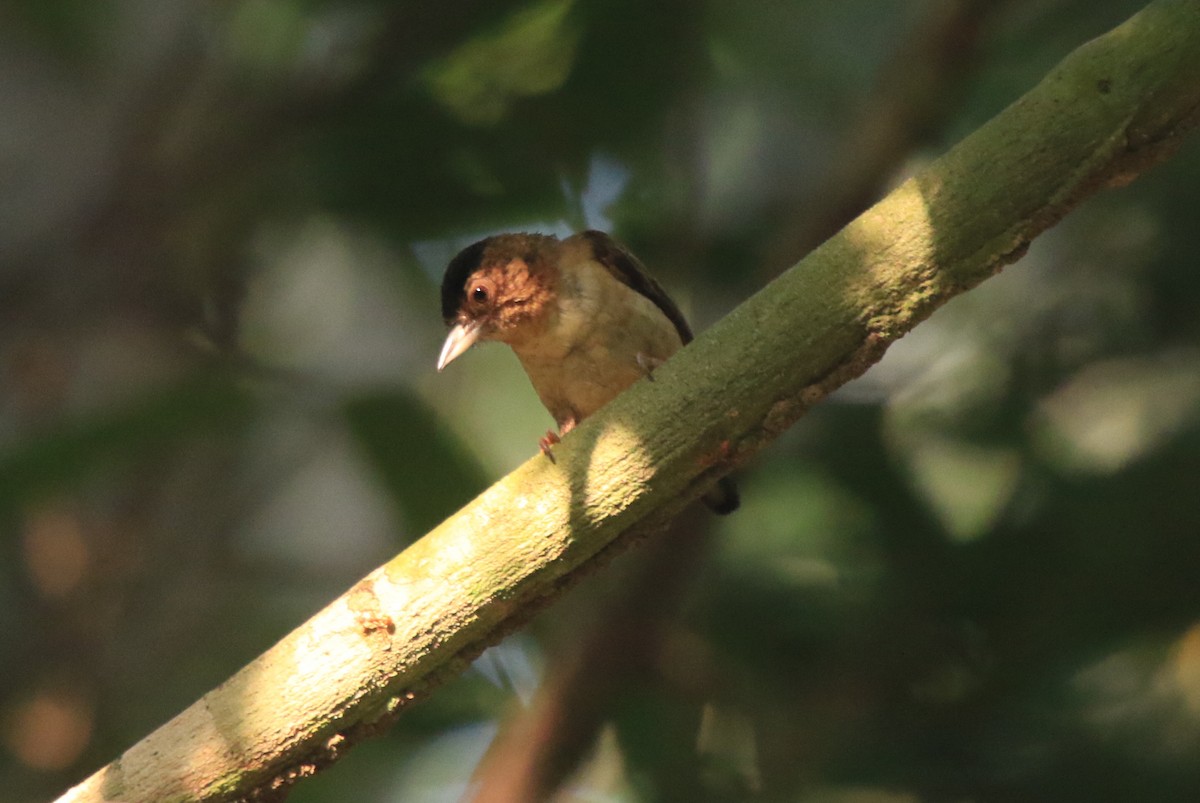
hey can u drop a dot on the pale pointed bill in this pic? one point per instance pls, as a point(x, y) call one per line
point(462, 336)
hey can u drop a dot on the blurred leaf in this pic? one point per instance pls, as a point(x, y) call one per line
point(420, 462)
point(76, 448)
point(407, 167)
point(71, 28)
point(267, 35)
point(657, 735)
point(966, 485)
point(530, 54)
point(405, 161)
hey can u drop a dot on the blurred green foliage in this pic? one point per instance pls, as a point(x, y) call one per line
point(969, 575)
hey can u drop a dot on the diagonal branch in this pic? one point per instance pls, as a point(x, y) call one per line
point(539, 745)
point(542, 744)
point(1113, 108)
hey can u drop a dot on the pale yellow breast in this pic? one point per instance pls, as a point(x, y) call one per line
point(588, 352)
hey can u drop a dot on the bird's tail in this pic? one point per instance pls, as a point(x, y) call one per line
point(723, 498)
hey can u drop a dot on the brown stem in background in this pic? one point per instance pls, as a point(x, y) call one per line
point(911, 101)
point(540, 746)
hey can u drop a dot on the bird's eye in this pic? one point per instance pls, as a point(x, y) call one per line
point(479, 294)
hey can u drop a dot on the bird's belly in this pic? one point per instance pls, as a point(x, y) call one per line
point(603, 338)
point(592, 381)
point(578, 382)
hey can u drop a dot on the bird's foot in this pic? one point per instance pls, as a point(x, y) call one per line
point(548, 440)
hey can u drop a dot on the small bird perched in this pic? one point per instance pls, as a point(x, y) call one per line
point(581, 314)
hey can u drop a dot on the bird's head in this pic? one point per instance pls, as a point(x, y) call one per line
point(500, 288)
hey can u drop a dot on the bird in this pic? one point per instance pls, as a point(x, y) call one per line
point(584, 317)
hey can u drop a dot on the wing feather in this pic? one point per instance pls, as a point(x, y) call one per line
point(628, 270)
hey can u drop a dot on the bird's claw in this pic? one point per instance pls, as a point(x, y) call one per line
point(548, 440)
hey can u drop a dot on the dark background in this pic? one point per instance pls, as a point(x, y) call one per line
point(973, 574)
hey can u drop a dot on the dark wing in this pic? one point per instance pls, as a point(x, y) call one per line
point(629, 271)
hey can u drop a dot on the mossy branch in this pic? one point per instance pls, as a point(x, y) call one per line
point(1114, 107)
